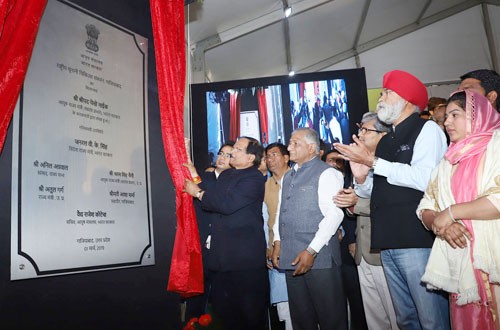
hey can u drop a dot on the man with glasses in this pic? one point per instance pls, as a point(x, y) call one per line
point(197, 305)
point(377, 301)
point(236, 259)
point(402, 165)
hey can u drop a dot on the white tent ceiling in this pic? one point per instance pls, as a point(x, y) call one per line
point(437, 40)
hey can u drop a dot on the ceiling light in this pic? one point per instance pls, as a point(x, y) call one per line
point(288, 11)
point(291, 73)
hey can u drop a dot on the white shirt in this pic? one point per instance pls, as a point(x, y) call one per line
point(364, 190)
point(428, 151)
point(330, 182)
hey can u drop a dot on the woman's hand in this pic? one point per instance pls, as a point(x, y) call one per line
point(456, 235)
point(441, 222)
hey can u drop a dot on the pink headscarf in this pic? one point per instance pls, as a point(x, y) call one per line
point(481, 121)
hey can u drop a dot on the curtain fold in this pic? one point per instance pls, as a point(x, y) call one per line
point(19, 21)
point(263, 119)
point(186, 272)
point(234, 115)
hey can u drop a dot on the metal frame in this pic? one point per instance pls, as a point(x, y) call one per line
point(199, 49)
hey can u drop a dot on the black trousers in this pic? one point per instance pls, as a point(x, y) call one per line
point(317, 298)
point(241, 298)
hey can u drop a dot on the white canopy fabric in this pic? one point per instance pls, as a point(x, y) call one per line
point(437, 40)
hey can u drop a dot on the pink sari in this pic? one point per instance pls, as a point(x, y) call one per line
point(481, 120)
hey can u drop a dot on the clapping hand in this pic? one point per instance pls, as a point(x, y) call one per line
point(355, 152)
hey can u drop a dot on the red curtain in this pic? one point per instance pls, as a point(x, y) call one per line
point(186, 272)
point(19, 21)
point(264, 126)
point(234, 115)
point(302, 87)
point(316, 87)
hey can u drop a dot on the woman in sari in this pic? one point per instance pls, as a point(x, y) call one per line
point(462, 207)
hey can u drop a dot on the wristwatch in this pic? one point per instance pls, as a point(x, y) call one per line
point(311, 251)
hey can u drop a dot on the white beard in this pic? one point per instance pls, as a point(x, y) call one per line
point(389, 113)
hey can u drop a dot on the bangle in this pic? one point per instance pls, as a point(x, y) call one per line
point(196, 179)
point(311, 251)
point(451, 214)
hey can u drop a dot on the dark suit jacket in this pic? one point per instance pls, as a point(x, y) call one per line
point(204, 218)
point(238, 241)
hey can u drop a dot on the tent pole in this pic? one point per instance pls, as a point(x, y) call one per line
point(489, 36)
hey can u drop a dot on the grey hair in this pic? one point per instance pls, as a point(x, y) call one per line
point(379, 125)
point(311, 136)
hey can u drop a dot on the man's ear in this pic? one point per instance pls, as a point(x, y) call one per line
point(251, 158)
point(492, 97)
point(312, 148)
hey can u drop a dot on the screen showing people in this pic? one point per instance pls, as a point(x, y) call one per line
point(321, 105)
point(259, 112)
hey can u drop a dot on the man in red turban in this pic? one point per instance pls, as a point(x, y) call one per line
point(397, 175)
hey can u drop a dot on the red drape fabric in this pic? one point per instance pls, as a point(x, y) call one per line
point(316, 87)
point(302, 87)
point(264, 126)
point(19, 21)
point(234, 115)
point(186, 272)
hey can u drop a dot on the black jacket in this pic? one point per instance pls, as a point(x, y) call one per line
point(238, 241)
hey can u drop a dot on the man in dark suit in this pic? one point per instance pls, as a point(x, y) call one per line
point(237, 255)
point(197, 305)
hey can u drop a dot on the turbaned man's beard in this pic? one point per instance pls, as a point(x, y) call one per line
point(389, 113)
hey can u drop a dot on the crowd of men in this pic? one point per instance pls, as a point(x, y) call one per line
point(306, 212)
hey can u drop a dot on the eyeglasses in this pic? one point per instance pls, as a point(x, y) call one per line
point(363, 130)
point(224, 154)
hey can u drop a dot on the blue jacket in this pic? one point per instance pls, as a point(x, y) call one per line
point(238, 241)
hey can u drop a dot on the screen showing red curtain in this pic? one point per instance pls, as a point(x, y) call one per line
point(234, 115)
point(263, 118)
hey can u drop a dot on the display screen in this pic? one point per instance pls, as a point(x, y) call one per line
point(270, 108)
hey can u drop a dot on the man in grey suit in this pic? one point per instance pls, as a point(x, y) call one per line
point(305, 240)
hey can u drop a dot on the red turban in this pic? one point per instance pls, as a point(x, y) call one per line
point(407, 86)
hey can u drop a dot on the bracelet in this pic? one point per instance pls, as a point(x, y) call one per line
point(451, 214)
point(311, 251)
point(196, 179)
point(374, 162)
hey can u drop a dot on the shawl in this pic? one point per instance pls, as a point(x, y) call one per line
point(469, 171)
